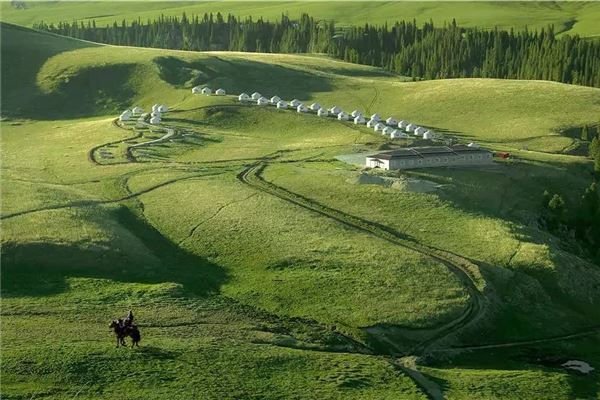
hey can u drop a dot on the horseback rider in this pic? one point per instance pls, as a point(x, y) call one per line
point(129, 319)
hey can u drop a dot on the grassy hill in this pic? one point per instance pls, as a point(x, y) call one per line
point(298, 286)
point(574, 16)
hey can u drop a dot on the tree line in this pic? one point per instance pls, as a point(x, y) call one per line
point(423, 52)
point(581, 220)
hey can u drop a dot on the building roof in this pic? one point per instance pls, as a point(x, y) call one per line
point(422, 152)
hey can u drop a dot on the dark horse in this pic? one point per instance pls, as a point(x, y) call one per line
point(123, 328)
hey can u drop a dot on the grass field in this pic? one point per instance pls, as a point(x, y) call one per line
point(293, 290)
point(574, 17)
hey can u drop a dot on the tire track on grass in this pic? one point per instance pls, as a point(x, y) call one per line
point(86, 203)
point(217, 212)
point(463, 269)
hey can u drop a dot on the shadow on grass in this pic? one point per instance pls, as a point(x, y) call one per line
point(41, 269)
point(237, 75)
point(542, 358)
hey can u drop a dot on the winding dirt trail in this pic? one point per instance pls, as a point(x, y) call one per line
point(467, 272)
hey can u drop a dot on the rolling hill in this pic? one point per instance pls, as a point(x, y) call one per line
point(574, 17)
point(256, 262)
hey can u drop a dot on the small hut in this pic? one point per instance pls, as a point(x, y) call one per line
point(275, 99)
point(322, 112)
point(256, 96)
point(402, 124)
point(394, 134)
point(379, 127)
point(125, 116)
point(155, 120)
point(206, 91)
point(244, 97)
point(156, 114)
point(371, 123)
point(155, 107)
point(356, 113)
point(162, 108)
point(335, 110)
point(315, 107)
point(428, 135)
point(376, 117)
point(359, 120)
point(410, 128)
point(295, 103)
point(137, 110)
point(420, 131)
point(301, 108)
point(391, 121)
point(220, 92)
point(262, 101)
point(387, 131)
point(282, 105)
point(196, 90)
point(342, 116)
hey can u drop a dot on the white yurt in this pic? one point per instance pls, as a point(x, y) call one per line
point(420, 131)
point(243, 97)
point(371, 123)
point(322, 112)
point(275, 99)
point(220, 92)
point(356, 113)
point(262, 101)
point(376, 117)
point(391, 121)
point(207, 91)
point(315, 107)
point(359, 120)
point(155, 120)
point(137, 110)
point(256, 96)
point(343, 116)
point(410, 128)
point(163, 108)
point(387, 131)
point(155, 107)
point(335, 110)
point(282, 105)
point(402, 124)
point(196, 90)
point(379, 127)
point(301, 108)
point(428, 135)
point(474, 145)
point(295, 103)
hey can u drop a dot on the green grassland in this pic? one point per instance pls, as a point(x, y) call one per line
point(242, 293)
point(575, 17)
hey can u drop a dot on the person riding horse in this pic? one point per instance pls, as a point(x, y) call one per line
point(125, 327)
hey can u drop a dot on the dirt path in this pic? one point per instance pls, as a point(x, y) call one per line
point(586, 332)
point(467, 272)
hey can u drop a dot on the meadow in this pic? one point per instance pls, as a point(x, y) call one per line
point(573, 17)
point(294, 290)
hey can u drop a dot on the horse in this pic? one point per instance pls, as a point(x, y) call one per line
point(121, 331)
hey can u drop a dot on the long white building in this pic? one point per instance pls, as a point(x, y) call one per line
point(434, 156)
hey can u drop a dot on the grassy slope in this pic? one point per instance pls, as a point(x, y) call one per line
point(106, 257)
point(574, 17)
